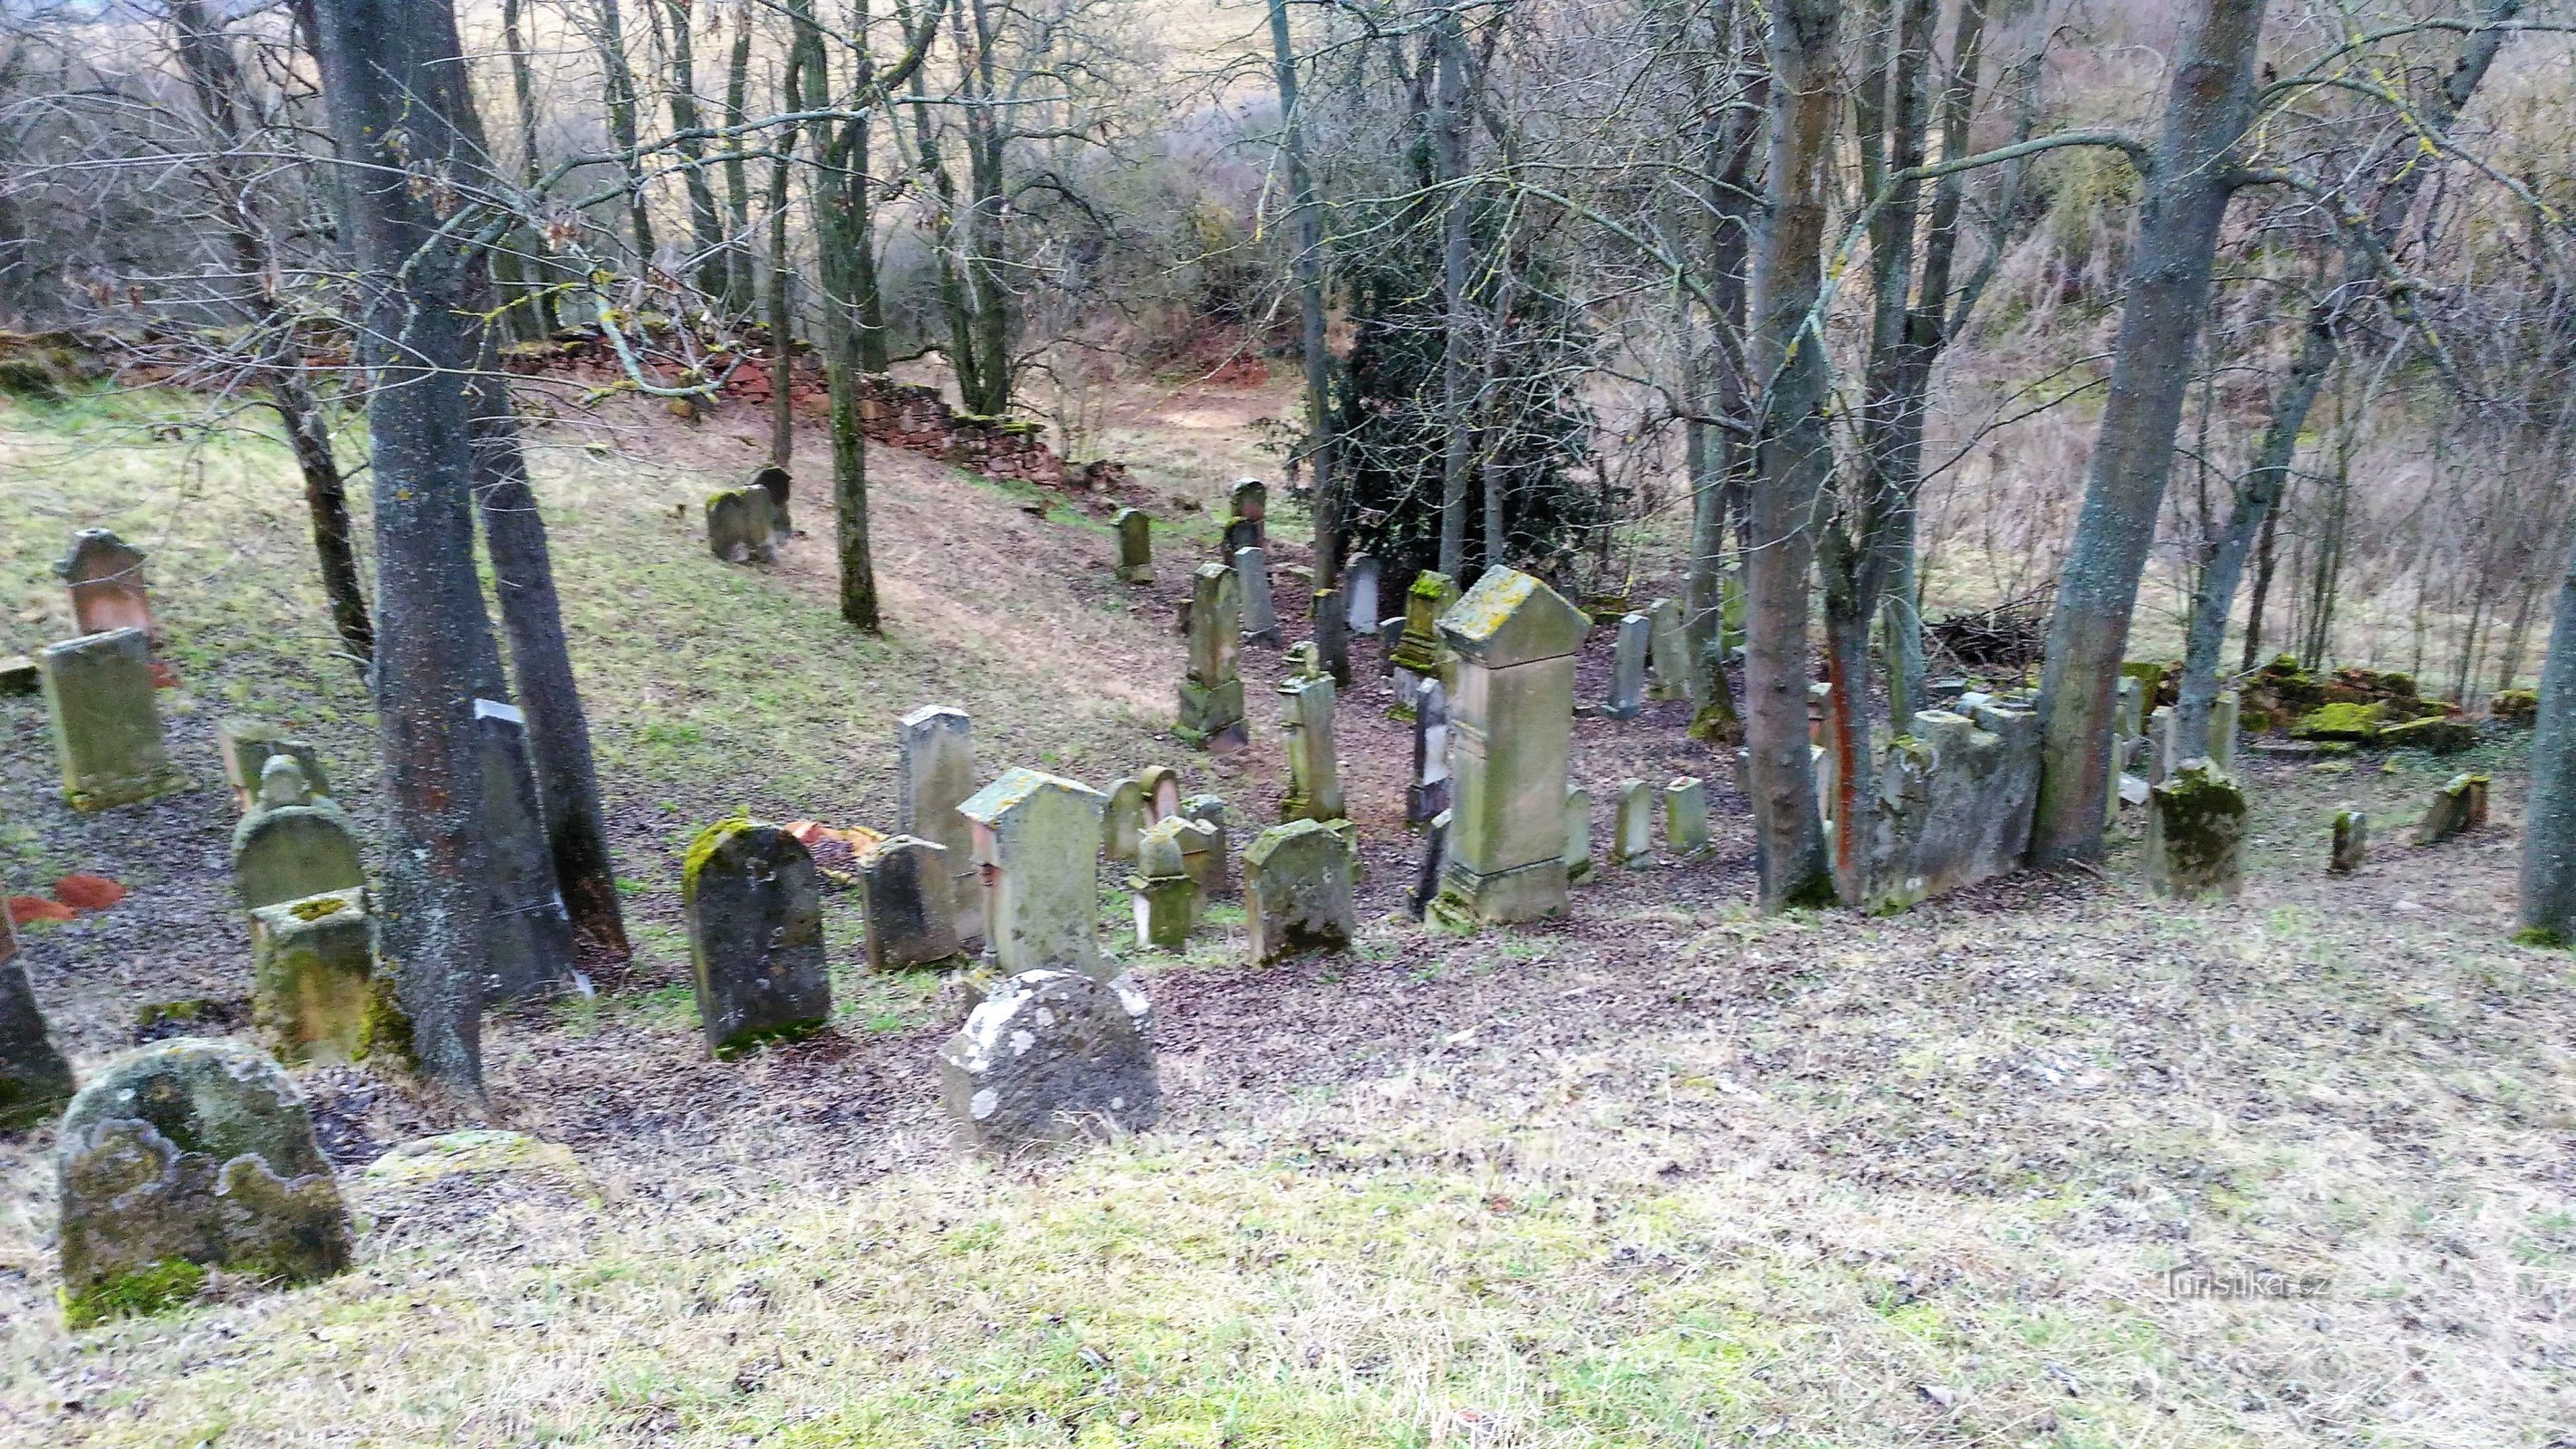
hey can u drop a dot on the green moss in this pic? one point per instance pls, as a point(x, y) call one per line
point(752, 1041)
point(317, 907)
point(384, 1028)
point(2548, 937)
point(2359, 722)
point(155, 1289)
point(704, 847)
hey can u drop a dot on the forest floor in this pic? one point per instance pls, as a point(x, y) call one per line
point(2041, 1163)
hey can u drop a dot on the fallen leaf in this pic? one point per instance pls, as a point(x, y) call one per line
point(86, 892)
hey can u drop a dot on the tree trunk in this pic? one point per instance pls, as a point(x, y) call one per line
point(2255, 606)
point(782, 282)
point(617, 79)
point(1449, 147)
point(706, 224)
point(738, 271)
point(380, 59)
point(2206, 114)
point(326, 500)
point(1793, 454)
point(2548, 911)
point(1332, 640)
point(523, 92)
point(830, 190)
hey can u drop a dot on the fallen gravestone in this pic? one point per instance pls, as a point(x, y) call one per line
point(903, 887)
point(755, 915)
point(106, 722)
point(2458, 807)
point(1297, 891)
point(1051, 1057)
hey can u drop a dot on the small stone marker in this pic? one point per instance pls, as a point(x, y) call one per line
point(2458, 807)
point(246, 745)
point(1214, 866)
point(1633, 834)
point(2196, 835)
point(2351, 841)
point(1037, 842)
point(2160, 744)
point(1297, 891)
point(935, 753)
point(293, 851)
point(1260, 622)
point(1246, 523)
point(1426, 875)
point(187, 1155)
point(1211, 714)
point(1512, 717)
point(1686, 818)
point(903, 887)
point(530, 946)
point(1390, 637)
point(1360, 593)
point(1428, 794)
point(1051, 1057)
point(778, 483)
point(1168, 898)
point(1162, 787)
point(104, 575)
point(282, 782)
point(1677, 672)
point(1122, 820)
point(739, 526)
point(1303, 661)
point(1628, 668)
point(755, 913)
point(1578, 834)
point(1314, 771)
point(1420, 653)
point(107, 724)
point(34, 1078)
point(313, 986)
point(2224, 712)
point(1135, 545)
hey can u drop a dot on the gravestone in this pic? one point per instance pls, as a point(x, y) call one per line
point(777, 483)
point(1360, 593)
point(903, 889)
point(935, 772)
point(1421, 653)
point(529, 948)
point(1955, 796)
point(313, 977)
point(1247, 515)
point(1122, 820)
point(104, 575)
point(1578, 834)
point(1632, 834)
point(1511, 719)
point(1211, 714)
point(2457, 808)
point(1037, 841)
point(2160, 744)
point(1390, 637)
point(1676, 671)
point(1297, 891)
point(1135, 545)
point(34, 1078)
point(1168, 898)
point(2224, 712)
point(1628, 668)
point(2351, 841)
point(1434, 862)
point(2196, 834)
point(187, 1155)
point(1428, 793)
point(1303, 661)
point(1686, 818)
point(1314, 772)
point(1051, 1057)
point(1214, 865)
point(754, 906)
point(1162, 787)
point(106, 722)
point(2128, 738)
point(739, 527)
point(246, 744)
point(293, 851)
point(282, 782)
point(1260, 622)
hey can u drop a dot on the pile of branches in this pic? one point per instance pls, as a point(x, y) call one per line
point(2008, 639)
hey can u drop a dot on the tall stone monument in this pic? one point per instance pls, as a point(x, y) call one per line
point(529, 950)
point(1314, 773)
point(1511, 720)
point(1211, 714)
point(1037, 842)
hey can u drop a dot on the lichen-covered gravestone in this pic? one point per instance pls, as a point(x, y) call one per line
point(1314, 771)
point(106, 722)
point(1955, 795)
point(755, 914)
point(314, 993)
point(104, 575)
point(1135, 546)
point(1051, 1057)
point(1632, 833)
point(903, 884)
point(2196, 834)
point(287, 852)
point(1686, 818)
point(1037, 842)
point(186, 1156)
point(1211, 862)
point(529, 948)
point(1628, 668)
point(1122, 819)
point(1297, 891)
point(247, 745)
point(1259, 620)
point(1419, 653)
point(1168, 898)
point(935, 754)
point(1511, 719)
point(740, 529)
point(2351, 841)
point(2457, 808)
point(1211, 713)
point(34, 1078)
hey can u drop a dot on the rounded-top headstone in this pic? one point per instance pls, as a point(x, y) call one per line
point(282, 782)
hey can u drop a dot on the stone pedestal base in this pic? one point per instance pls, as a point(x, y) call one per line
point(1212, 716)
point(1528, 893)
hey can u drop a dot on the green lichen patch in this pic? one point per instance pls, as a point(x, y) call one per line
point(155, 1288)
point(2357, 723)
point(703, 848)
point(317, 907)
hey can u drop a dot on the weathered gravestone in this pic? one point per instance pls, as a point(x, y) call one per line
point(1632, 831)
point(1677, 668)
point(34, 1078)
point(1297, 891)
point(313, 977)
point(1168, 898)
point(2458, 807)
point(1578, 834)
point(1135, 545)
point(1420, 653)
point(529, 947)
point(755, 913)
point(246, 745)
point(1122, 819)
point(106, 722)
point(903, 890)
point(1511, 719)
point(1051, 1057)
point(1303, 661)
point(935, 755)
point(289, 852)
point(2351, 841)
point(1428, 793)
point(1686, 818)
point(1314, 771)
point(1955, 796)
point(282, 781)
point(185, 1156)
point(1360, 593)
point(777, 483)
point(739, 526)
point(1248, 510)
point(1628, 668)
point(1259, 621)
point(2224, 713)
point(1037, 841)
point(1162, 787)
point(104, 575)
point(1427, 872)
point(1390, 638)
point(1211, 863)
point(1211, 712)
point(2196, 834)
point(2160, 744)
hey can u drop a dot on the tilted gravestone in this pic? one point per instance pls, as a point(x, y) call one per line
point(1211, 713)
point(1427, 871)
point(1633, 832)
point(1420, 653)
point(1259, 621)
point(1578, 834)
point(1686, 818)
point(34, 1078)
point(106, 722)
point(2196, 834)
point(1297, 891)
point(292, 851)
point(2351, 841)
point(755, 914)
point(529, 948)
point(1511, 721)
point(1135, 545)
point(246, 745)
point(1628, 668)
point(777, 483)
point(1427, 794)
point(903, 886)
point(2458, 807)
point(104, 575)
point(314, 993)
point(740, 529)
point(1051, 1057)
point(935, 753)
point(1168, 898)
point(185, 1156)
point(1314, 771)
point(1037, 842)
point(1122, 819)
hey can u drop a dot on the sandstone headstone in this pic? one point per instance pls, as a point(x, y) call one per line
point(313, 986)
point(1677, 669)
point(1211, 713)
point(754, 907)
point(1314, 772)
point(903, 889)
point(1051, 1057)
point(935, 754)
point(1213, 866)
point(1511, 719)
point(778, 484)
point(2196, 834)
point(1420, 653)
point(246, 745)
point(1037, 842)
point(2161, 744)
point(34, 1078)
point(1162, 787)
point(1260, 623)
point(104, 575)
point(185, 1156)
point(529, 949)
point(1360, 593)
point(1578, 834)
point(2224, 712)
point(1168, 898)
point(1628, 668)
point(2351, 841)
point(1297, 891)
point(1633, 831)
point(1428, 793)
point(1122, 820)
point(2458, 807)
point(295, 851)
point(1686, 818)
point(1135, 545)
point(106, 722)
point(739, 526)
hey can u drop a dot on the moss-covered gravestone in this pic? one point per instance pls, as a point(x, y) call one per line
point(779, 485)
point(1511, 718)
point(1135, 545)
point(903, 887)
point(755, 913)
point(313, 982)
point(2351, 841)
point(1168, 898)
point(2196, 834)
point(1052, 1057)
point(106, 722)
point(1297, 891)
point(2458, 807)
point(1686, 818)
point(34, 1078)
point(1037, 839)
point(186, 1156)
point(292, 851)
point(1419, 652)
point(1211, 712)
point(740, 526)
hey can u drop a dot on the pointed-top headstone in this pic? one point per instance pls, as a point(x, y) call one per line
point(104, 574)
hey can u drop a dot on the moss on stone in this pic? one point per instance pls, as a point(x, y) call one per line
point(155, 1288)
point(703, 848)
point(2354, 722)
point(384, 1029)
